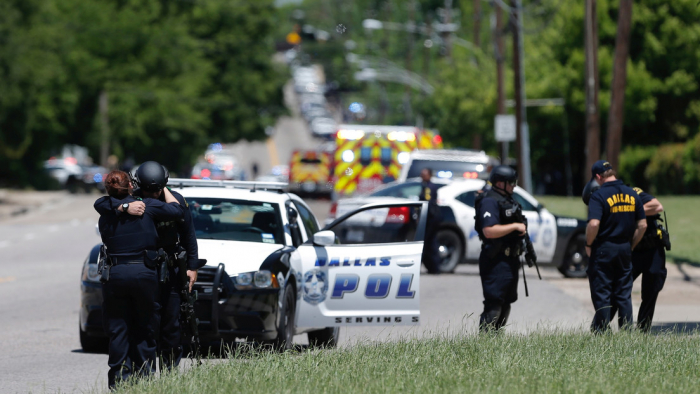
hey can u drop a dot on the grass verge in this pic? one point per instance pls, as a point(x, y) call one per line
point(551, 362)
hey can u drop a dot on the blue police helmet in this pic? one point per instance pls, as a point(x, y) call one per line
point(503, 173)
point(588, 190)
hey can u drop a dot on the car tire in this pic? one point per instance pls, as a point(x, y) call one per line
point(285, 327)
point(326, 338)
point(451, 250)
point(575, 261)
point(93, 344)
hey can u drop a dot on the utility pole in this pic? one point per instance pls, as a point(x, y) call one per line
point(409, 60)
point(616, 119)
point(522, 132)
point(103, 106)
point(497, 29)
point(592, 113)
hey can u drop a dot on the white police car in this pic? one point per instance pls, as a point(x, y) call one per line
point(272, 274)
point(559, 241)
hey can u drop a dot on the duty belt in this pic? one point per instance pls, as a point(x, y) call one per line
point(125, 260)
point(512, 251)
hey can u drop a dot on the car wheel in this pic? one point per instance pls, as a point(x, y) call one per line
point(326, 338)
point(93, 344)
point(575, 261)
point(285, 328)
point(450, 250)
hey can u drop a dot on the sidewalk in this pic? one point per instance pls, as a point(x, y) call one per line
point(14, 203)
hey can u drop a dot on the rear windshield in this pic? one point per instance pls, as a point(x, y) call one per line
point(448, 169)
point(236, 220)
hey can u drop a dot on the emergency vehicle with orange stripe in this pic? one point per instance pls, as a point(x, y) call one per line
point(310, 173)
point(367, 156)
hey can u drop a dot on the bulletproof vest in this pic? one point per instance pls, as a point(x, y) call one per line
point(652, 236)
point(509, 212)
point(168, 235)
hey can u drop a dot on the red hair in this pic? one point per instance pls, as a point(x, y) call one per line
point(117, 184)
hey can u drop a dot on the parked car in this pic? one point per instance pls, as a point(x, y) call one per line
point(449, 164)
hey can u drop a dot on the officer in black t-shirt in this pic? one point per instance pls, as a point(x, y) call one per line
point(616, 224)
point(429, 193)
point(501, 237)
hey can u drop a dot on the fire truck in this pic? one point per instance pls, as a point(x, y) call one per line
point(367, 156)
point(310, 173)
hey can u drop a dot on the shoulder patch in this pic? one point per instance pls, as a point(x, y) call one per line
point(638, 190)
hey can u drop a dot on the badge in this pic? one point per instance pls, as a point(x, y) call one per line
point(315, 287)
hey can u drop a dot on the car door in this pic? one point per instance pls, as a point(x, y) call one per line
point(356, 272)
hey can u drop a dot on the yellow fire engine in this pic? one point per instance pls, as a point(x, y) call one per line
point(310, 172)
point(368, 156)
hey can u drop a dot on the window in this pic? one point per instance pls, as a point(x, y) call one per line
point(379, 225)
point(236, 220)
point(310, 224)
point(403, 190)
point(523, 202)
point(467, 198)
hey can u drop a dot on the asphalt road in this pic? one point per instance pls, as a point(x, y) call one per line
point(41, 255)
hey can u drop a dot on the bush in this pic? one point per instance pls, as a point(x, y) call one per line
point(633, 162)
point(691, 164)
point(665, 171)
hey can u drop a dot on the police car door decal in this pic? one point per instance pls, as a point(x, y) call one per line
point(372, 277)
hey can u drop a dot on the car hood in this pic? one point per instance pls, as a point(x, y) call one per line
point(235, 255)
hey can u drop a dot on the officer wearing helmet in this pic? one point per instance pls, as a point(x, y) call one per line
point(431, 250)
point(616, 224)
point(151, 177)
point(648, 257)
point(501, 236)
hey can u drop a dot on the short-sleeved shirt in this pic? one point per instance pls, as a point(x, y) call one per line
point(651, 220)
point(619, 208)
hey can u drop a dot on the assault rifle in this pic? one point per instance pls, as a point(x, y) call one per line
point(188, 319)
point(530, 256)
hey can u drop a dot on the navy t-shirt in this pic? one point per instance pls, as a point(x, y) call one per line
point(651, 220)
point(618, 207)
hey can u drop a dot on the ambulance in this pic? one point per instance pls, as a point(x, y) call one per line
point(367, 156)
point(310, 173)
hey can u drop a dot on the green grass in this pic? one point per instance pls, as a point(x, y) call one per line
point(683, 214)
point(550, 362)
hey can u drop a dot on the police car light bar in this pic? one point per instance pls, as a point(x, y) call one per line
point(183, 182)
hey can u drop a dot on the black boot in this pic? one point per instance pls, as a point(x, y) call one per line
point(489, 318)
point(503, 318)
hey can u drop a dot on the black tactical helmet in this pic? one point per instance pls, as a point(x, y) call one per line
point(503, 174)
point(151, 176)
point(589, 189)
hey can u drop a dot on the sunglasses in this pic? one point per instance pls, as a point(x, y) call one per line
point(513, 183)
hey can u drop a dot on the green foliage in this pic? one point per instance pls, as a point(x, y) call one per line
point(178, 76)
point(542, 361)
point(665, 171)
point(633, 163)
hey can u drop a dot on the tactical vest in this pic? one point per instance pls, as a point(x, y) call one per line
point(509, 212)
point(653, 237)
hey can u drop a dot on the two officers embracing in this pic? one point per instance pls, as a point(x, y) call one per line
point(145, 232)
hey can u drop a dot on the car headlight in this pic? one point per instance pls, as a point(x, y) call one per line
point(255, 280)
point(90, 273)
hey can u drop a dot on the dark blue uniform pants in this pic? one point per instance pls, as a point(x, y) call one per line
point(610, 279)
point(499, 280)
point(167, 323)
point(431, 247)
point(127, 311)
point(651, 264)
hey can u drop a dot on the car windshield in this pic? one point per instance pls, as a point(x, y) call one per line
point(447, 169)
point(405, 190)
point(236, 220)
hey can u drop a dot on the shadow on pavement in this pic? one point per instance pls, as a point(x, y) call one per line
point(687, 328)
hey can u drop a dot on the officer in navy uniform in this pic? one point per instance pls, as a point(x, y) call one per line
point(130, 281)
point(501, 247)
point(616, 224)
point(151, 178)
point(648, 258)
point(431, 250)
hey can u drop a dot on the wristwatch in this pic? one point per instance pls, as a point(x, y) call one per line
point(125, 206)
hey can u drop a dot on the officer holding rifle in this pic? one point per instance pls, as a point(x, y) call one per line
point(503, 232)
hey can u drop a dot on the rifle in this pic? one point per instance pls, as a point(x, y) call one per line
point(530, 257)
point(188, 319)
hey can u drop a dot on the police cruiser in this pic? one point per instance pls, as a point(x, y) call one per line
point(559, 241)
point(271, 273)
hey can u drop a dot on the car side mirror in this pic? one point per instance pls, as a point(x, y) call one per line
point(324, 238)
point(292, 215)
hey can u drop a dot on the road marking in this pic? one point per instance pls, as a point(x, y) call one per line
point(8, 279)
point(272, 152)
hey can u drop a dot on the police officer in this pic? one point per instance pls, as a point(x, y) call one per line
point(616, 224)
point(501, 237)
point(130, 281)
point(151, 178)
point(431, 252)
point(648, 260)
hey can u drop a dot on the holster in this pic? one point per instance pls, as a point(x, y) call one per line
point(103, 264)
point(151, 258)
